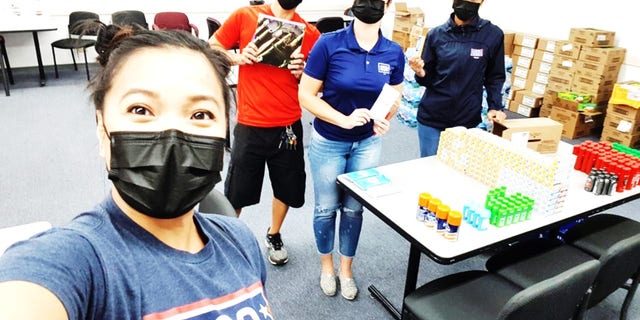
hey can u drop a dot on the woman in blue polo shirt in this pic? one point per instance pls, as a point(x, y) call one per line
point(349, 67)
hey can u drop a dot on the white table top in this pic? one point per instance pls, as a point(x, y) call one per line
point(455, 189)
point(25, 23)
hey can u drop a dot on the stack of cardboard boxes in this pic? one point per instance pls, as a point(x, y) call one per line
point(622, 124)
point(588, 66)
point(408, 25)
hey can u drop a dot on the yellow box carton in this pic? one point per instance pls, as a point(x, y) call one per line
point(627, 93)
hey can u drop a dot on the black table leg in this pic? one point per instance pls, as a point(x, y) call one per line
point(409, 286)
point(36, 42)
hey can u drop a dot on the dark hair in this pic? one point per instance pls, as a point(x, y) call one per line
point(115, 44)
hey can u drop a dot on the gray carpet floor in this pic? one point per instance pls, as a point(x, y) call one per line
point(50, 170)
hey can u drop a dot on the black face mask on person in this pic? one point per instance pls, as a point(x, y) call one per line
point(164, 174)
point(465, 10)
point(368, 11)
point(289, 4)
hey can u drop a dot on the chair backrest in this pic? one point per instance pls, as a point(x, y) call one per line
point(328, 24)
point(619, 263)
point(554, 298)
point(213, 24)
point(130, 18)
point(216, 202)
point(76, 26)
point(11, 235)
point(173, 20)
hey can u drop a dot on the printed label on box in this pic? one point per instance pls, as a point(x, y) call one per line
point(529, 42)
point(567, 47)
point(524, 110)
point(624, 126)
point(539, 88)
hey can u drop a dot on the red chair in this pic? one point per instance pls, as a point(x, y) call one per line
point(174, 21)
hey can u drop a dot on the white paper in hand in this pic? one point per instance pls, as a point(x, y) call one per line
point(385, 101)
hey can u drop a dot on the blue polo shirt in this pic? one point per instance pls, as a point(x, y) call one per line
point(352, 77)
point(459, 62)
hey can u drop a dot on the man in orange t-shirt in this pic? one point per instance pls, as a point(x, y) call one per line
point(269, 129)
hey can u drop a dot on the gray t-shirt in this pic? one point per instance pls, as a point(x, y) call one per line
point(104, 266)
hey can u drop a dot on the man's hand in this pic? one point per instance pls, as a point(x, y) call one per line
point(496, 115)
point(296, 64)
point(417, 65)
point(248, 55)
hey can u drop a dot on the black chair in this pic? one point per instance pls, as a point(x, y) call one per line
point(130, 18)
point(615, 241)
point(77, 30)
point(213, 24)
point(7, 75)
point(328, 24)
point(482, 295)
point(216, 202)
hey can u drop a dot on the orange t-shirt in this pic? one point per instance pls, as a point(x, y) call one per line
point(267, 95)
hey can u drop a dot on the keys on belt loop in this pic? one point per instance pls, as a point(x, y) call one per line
point(288, 139)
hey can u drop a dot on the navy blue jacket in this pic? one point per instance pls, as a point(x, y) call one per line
point(459, 61)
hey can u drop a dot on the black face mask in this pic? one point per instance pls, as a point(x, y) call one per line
point(289, 4)
point(164, 174)
point(465, 10)
point(368, 11)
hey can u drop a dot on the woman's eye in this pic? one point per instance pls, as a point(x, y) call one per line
point(202, 115)
point(139, 110)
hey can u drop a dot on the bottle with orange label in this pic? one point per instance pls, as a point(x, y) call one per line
point(441, 218)
point(423, 203)
point(454, 219)
point(430, 220)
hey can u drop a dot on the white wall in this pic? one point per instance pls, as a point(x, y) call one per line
point(546, 18)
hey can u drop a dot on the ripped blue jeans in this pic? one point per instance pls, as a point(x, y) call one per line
point(328, 159)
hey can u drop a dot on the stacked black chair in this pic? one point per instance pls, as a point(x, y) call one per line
point(77, 29)
point(482, 295)
point(215, 202)
point(130, 18)
point(213, 24)
point(613, 240)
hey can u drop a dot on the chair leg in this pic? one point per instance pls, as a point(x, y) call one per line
point(55, 65)
point(73, 57)
point(5, 80)
point(631, 292)
point(6, 62)
point(86, 63)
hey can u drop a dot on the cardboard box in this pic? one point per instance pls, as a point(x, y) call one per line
point(518, 83)
point(621, 124)
point(528, 98)
point(519, 71)
point(596, 69)
point(564, 63)
point(568, 49)
point(545, 56)
point(627, 92)
point(626, 112)
point(540, 134)
point(525, 40)
point(547, 44)
point(545, 110)
point(406, 17)
point(615, 136)
point(521, 109)
point(537, 87)
point(402, 38)
point(591, 37)
point(574, 105)
point(540, 66)
point(523, 51)
point(522, 61)
point(605, 56)
point(576, 124)
point(508, 42)
point(539, 77)
point(590, 84)
point(559, 80)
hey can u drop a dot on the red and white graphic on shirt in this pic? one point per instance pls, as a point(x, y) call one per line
point(477, 53)
point(245, 304)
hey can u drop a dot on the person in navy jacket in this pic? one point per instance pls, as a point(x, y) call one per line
point(459, 58)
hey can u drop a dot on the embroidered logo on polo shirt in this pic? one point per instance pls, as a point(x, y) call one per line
point(384, 68)
point(477, 53)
